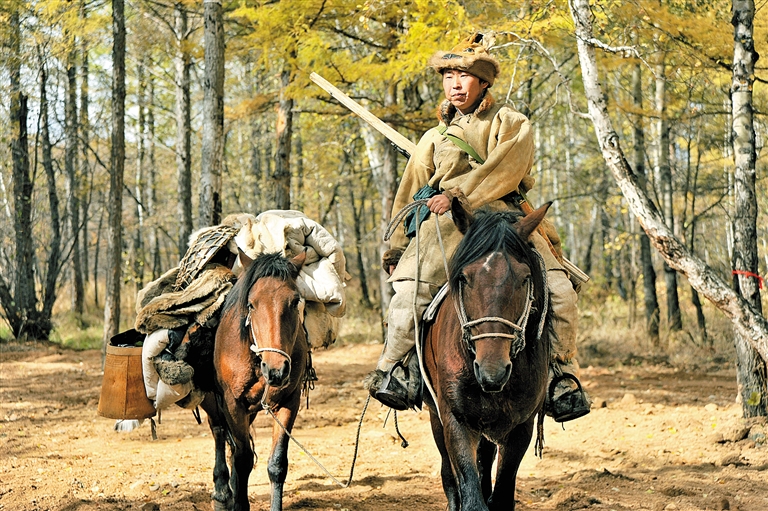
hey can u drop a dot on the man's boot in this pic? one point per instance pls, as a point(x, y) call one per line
point(399, 388)
point(566, 399)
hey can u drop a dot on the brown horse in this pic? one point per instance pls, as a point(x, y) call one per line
point(486, 357)
point(260, 361)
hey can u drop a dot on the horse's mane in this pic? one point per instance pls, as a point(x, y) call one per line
point(270, 264)
point(494, 232)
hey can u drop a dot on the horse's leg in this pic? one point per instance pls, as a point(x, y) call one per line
point(461, 444)
point(510, 455)
point(446, 472)
point(486, 452)
point(242, 456)
point(222, 494)
point(277, 467)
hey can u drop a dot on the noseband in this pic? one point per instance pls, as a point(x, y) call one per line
point(518, 337)
point(259, 350)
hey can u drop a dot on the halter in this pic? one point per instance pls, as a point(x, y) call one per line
point(518, 337)
point(259, 350)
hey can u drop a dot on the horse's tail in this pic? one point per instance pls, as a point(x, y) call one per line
point(538, 448)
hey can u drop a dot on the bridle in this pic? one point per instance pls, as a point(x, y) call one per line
point(255, 342)
point(518, 327)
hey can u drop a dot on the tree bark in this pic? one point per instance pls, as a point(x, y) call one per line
point(116, 175)
point(183, 129)
point(73, 181)
point(358, 232)
point(284, 130)
point(84, 129)
point(21, 309)
point(751, 374)
point(651, 300)
point(748, 321)
point(54, 243)
point(151, 191)
point(213, 115)
point(664, 171)
point(138, 189)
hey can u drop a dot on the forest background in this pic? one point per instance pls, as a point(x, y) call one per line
point(131, 124)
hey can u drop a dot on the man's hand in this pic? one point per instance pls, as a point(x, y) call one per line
point(439, 204)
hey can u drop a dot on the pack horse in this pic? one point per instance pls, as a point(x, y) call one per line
point(260, 360)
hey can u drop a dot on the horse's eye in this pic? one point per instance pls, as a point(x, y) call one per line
point(463, 279)
point(250, 306)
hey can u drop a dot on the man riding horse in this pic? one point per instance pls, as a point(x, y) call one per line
point(482, 153)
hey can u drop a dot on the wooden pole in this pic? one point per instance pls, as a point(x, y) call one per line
point(379, 125)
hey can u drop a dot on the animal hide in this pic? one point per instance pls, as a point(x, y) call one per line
point(158, 307)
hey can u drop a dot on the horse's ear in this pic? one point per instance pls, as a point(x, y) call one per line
point(245, 261)
point(298, 261)
point(462, 215)
point(531, 221)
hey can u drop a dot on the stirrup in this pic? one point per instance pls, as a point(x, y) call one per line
point(571, 404)
point(392, 393)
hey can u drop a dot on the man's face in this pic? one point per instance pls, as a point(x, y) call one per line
point(462, 89)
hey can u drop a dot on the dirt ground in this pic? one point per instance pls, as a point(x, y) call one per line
point(657, 438)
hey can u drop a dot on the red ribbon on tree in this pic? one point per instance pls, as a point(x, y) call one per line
point(750, 274)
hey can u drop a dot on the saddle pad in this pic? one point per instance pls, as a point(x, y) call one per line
point(431, 312)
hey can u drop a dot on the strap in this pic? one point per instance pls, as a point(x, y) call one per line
point(460, 143)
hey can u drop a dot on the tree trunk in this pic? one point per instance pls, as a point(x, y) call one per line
point(649, 274)
point(73, 182)
point(151, 191)
point(20, 312)
point(751, 374)
point(358, 231)
point(85, 128)
point(213, 115)
point(96, 252)
point(54, 243)
point(284, 130)
point(257, 172)
point(138, 241)
point(116, 171)
point(748, 321)
point(183, 130)
point(298, 154)
point(664, 171)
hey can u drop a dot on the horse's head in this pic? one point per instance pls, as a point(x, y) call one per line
point(273, 312)
point(497, 285)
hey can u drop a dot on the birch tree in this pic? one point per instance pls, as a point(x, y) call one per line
point(746, 320)
point(751, 374)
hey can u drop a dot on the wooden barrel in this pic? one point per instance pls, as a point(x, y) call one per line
point(122, 388)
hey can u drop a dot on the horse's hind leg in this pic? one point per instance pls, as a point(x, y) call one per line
point(222, 494)
point(486, 452)
point(510, 456)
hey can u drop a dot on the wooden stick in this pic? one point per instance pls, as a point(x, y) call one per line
point(379, 125)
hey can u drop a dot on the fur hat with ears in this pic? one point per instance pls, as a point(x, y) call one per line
point(471, 56)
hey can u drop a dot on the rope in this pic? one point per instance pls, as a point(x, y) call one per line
point(399, 216)
point(269, 411)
